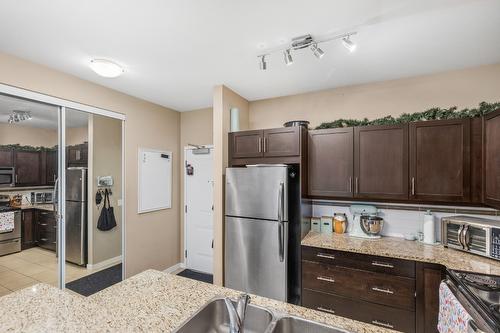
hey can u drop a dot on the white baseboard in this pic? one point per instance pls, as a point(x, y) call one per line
point(175, 267)
point(105, 263)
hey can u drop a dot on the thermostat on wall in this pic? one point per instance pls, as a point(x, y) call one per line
point(104, 180)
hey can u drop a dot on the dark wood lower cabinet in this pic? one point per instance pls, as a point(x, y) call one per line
point(28, 229)
point(387, 292)
point(47, 230)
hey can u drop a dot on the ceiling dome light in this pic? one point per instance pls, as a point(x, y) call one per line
point(106, 68)
point(349, 44)
point(317, 51)
point(288, 57)
point(263, 63)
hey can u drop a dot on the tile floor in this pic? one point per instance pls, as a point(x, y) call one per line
point(32, 266)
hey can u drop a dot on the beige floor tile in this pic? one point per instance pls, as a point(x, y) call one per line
point(9, 276)
point(19, 283)
point(29, 269)
point(14, 263)
point(4, 291)
point(46, 276)
point(3, 268)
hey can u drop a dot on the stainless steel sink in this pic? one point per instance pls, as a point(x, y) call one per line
point(214, 318)
point(298, 325)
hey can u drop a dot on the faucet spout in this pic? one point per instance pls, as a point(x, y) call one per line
point(237, 314)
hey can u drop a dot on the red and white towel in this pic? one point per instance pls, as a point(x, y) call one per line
point(452, 316)
point(6, 222)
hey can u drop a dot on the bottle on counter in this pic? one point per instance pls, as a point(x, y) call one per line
point(339, 223)
point(429, 228)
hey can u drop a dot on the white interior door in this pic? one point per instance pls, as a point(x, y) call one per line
point(198, 193)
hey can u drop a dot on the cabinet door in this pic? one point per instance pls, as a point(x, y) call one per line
point(28, 229)
point(6, 158)
point(245, 144)
point(429, 277)
point(491, 149)
point(331, 153)
point(77, 155)
point(51, 167)
point(440, 160)
point(28, 166)
point(381, 162)
point(282, 142)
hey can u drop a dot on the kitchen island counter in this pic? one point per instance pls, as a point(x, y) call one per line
point(151, 301)
point(393, 247)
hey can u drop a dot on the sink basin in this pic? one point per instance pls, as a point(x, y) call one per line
point(214, 318)
point(297, 325)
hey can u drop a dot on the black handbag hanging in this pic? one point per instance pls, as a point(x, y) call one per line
point(107, 219)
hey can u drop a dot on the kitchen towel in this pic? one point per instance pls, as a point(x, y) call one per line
point(452, 316)
point(6, 222)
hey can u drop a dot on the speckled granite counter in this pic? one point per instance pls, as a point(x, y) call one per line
point(48, 207)
point(403, 249)
point(148, 302)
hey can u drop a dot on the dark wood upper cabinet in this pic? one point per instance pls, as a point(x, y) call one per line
point(6, 158)
point(28, 168)
point(246, 144)
point(280, 142)
point(440, 160)
point(381, 162)
point(330, 162)
point(51, 167)
point(77, 155)
point(491, 156)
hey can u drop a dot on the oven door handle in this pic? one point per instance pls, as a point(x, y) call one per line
point(472, 327)
point(459, 235)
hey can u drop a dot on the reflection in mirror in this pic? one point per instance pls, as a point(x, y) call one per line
point(28, 173)
point(93, 202)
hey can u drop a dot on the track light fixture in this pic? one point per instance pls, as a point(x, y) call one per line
point(288, 57)
point(18, 116)
point(318, 53)
point(306, 41)
point(348, 44)
point(263, 63)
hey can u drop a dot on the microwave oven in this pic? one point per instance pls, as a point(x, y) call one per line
point(470, 234)
point(7, 177)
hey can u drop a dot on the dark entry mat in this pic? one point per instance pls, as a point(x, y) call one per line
point(98, 281)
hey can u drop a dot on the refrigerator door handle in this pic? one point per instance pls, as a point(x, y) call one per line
point(281, 240)
point(281, 233)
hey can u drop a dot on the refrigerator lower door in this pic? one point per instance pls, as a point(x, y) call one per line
point(76, 184)
point(257, 192)
point(256, 257)
point(76, 231)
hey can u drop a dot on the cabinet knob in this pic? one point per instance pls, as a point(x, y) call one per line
point(381, 323)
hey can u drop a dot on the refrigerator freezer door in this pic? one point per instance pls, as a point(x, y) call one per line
point(256, 257)
point(257, 192)
point(76, 184)
point(76, 216)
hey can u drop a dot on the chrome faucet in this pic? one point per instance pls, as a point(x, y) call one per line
point(237, 315)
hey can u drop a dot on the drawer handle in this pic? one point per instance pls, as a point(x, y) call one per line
point(320, 308)
point(327, 279)
point(382, 264)
point(44, 224)
point(324, 255)
point(44, 239)
point(382, 290)
point(381, 323)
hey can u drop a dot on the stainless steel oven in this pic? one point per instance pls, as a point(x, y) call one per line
point(7, 177)
point(10, 241)
point(475, 235)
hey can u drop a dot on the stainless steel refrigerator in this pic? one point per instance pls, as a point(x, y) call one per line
point(76, 215)
point(263, 231)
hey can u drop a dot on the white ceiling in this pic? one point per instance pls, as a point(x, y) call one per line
point(43, 115)
point(175, 51)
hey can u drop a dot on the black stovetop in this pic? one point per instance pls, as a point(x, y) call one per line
point(4, 209)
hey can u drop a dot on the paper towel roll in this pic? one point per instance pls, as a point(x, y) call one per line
point(429, 228)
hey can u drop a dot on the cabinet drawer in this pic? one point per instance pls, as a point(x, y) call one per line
point(380, 315)
point(366, 262)
point(47, 239)
point(370, 286)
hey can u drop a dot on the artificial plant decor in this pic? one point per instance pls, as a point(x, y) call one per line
point(431, 114)
point(19, 147)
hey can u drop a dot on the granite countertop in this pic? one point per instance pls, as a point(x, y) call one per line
point(400, 248)
point(48, 207)
point(151, 301)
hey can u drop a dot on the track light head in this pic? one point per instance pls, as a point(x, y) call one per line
point(263, 63)
point(318, 53)
point(288, 57)
point(349, 44)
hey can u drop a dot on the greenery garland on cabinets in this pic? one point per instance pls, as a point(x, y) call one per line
point(19, 147)
point(431, 114)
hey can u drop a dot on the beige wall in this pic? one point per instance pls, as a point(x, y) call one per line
point(224, 99)
point(196, 129)
point(77, 135)
point(462, 88)
point(152, 239)
point(29, 136)
point(106, 161)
